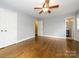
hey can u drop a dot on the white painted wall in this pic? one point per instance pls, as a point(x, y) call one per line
point(55, 26)
point(25, 26)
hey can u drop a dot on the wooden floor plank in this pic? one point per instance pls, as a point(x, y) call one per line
point(42, 47)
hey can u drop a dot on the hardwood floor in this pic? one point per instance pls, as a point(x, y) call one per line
point(42, 47)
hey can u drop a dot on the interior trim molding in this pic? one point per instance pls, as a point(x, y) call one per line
point(55, 36)
point(25, 39)
point(32, 37)
point(77, 40)
point(58, 37)
point(17, 41)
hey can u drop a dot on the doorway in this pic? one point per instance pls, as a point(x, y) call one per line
point(69, 27)
point(38, 27)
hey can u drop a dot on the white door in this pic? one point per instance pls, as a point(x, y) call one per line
point(8, 27)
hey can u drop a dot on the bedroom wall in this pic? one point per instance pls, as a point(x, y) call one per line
point(25, 27)
point(55, 26)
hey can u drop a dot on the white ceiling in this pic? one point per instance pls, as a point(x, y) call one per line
point(27, 6)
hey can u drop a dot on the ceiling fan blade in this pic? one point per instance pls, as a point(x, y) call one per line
point(40, 11)
point(49, 11)
point(37, 8)
point(55, 6)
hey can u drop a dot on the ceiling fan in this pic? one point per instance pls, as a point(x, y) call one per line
point(46, 7)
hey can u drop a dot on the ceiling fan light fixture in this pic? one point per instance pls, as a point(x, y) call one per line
point(45, 9)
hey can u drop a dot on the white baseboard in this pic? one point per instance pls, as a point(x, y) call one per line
point(31, 37)
point(55, 36)
point(6, 44)
point(25, 39)
point(77, 40)
point(3, 46)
